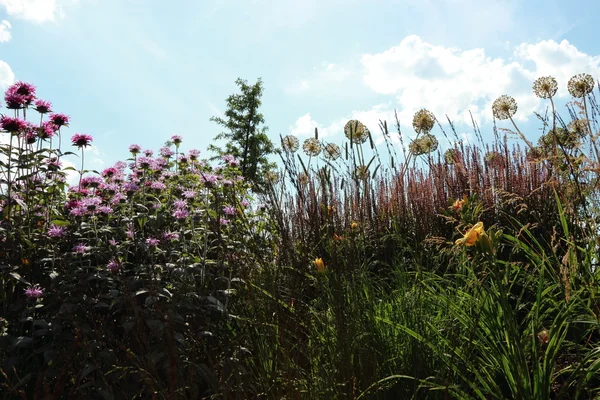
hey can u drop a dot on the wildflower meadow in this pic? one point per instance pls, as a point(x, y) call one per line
point(348, 270)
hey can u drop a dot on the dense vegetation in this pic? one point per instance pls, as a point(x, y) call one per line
point(352, 273)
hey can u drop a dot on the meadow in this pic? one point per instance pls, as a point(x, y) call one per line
point(357, 271)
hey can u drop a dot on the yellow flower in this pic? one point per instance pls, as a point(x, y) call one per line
point(319, 264)
point(459, 204)
point(354, 225)
point(472, 236)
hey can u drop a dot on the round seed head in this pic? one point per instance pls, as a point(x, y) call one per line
point(332, 151)
point(545, 87)
point(504, 107)
point(580, 85)
point(423, 121)
point(356, 131)
point(290, 144)
point(311, 147)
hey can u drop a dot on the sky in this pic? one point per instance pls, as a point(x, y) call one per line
point(140, 71)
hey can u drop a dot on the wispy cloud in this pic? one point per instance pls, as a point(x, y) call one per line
point(5, 35)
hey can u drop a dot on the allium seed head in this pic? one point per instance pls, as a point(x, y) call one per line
point(311, 147)
point(423, 121)
point(581, 85)
point(545, 87)
point(504, 107)
point(290, 144)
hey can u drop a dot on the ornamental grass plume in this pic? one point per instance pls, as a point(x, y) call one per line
point(472, 235)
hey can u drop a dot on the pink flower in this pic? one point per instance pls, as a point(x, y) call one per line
point(81, 140)
point(113, 265)
point(179, 204)
point(166, 152)
point(170, 236)
point(56, 231)
point(34, 292)
point(59, 119)
point(189, 194)
point(80, 248)
point(229, 210)
point(245, 203)
point(224, 221)
point(181, 214)
point(43, 106)
point(135, 149)
point(12, 125)
point(152, 242)
point(176, 139)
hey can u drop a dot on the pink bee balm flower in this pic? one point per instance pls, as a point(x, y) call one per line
point(80, 248)
point(12, 125)
point(135, 149)
point(113, 265)
point(34, 292)
point(176, 139)
point(56, 231)
point(152, 242)
point(224, 221)
point(43, 106)
point(229, 210)
point(181, 214)
point(59, 119)
point(81, 140)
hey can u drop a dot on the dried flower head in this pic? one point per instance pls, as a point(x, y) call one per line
point(362, 172)
point(423, 121)
point(504, 107)
point(579, 127)
point(423, 145)
point(545, 87)
point(332, 151)
point(580, 85)
point(290, 144)
point(451, 156)
point(271, 177)
point(356, 131)
point(311, 147)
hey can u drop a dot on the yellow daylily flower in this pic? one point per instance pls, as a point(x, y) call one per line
point(459, 204)
point(472, 236)
point(319, 264)
point(354, 225)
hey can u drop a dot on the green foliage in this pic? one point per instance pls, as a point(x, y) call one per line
point(244, 132)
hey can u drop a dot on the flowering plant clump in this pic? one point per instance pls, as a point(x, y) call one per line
point(146, 240)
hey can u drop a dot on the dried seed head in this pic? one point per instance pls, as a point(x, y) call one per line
point(356, 131)
point(423, 121)
point(332, 151)
point(423, 145)
point(504, 107)
point(311, 147)
point(545, 87)
point(290, 144)
point(580, 85)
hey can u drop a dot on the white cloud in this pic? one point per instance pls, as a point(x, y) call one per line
point(5, 35)
point(450, 81)
point(32, 10)
point(453, 81)
point(7, 77)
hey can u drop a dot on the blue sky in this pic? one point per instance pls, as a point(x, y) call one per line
point(139, 71)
